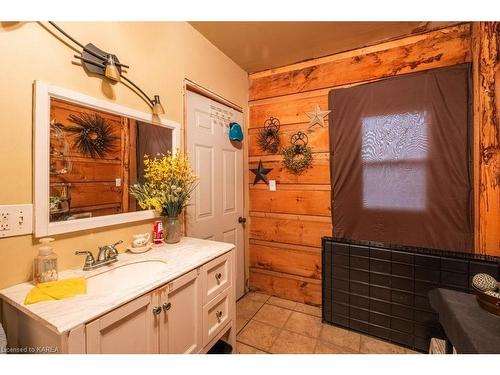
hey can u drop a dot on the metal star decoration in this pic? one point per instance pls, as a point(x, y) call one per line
point(260, 173)
point(317, 117)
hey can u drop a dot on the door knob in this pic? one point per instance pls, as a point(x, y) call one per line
point(218, 314)
point(218, 277)
point(166, 306)
point(156, 310)
point(242, 220)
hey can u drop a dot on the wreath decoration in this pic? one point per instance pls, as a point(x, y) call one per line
point(93, 134)
point(269, 138)
point(298, 156)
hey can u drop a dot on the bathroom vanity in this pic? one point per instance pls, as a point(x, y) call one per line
point(173, 299)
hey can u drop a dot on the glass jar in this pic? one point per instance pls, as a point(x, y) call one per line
point(172, 228)
point(45, 263)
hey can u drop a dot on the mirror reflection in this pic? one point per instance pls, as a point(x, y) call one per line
point(94, 157)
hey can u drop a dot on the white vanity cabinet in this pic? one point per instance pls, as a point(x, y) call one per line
point(131, 328)
point(167, 320)
point(185, 314)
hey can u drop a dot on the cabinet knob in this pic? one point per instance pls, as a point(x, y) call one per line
point(218, 276)
point(156, 310)
point(166, 306)
point(242, 220)
point(218, 314)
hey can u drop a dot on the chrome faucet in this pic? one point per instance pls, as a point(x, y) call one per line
point(107, 254)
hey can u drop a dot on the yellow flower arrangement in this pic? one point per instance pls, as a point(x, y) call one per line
point(168, 184)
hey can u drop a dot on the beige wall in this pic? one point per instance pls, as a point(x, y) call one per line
point(160, 56)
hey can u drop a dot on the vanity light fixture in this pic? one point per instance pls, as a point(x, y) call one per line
point(99, 62)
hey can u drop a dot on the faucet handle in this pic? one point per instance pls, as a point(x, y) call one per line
point(87, 253)
point(113, 250)
point(89, 259)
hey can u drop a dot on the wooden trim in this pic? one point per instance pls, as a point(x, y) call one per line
point(125, 164)
point(306, 94)
point(287, 246)
point(286, 275)
point(375, 47)
point(475, 48)
point(318, 174)
point(430, 50)
point(293, 96)
point(194, 87)
point(486, 69)
point(278, 157)
point(261, 186)
point(321, 219)
point(292, 126)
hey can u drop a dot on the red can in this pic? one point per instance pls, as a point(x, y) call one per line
point(158, 232)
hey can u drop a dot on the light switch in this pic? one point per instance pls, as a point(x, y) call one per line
point(118, 182)
point(16, 220)
point(272, 185)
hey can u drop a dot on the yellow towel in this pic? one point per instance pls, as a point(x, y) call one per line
point(54, 290)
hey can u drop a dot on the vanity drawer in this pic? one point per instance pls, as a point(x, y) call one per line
point(216, 315)
point(216, 277)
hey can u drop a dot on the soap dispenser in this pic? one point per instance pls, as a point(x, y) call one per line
point(45, 263)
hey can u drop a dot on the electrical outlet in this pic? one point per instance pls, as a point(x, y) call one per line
point(16, 220)
point(272, 185)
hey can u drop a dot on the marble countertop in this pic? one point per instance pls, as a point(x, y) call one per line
point(63, 315)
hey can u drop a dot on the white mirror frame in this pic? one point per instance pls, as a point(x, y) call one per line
point(43, 93)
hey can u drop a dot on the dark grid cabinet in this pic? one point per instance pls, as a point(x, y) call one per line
point(382, 291)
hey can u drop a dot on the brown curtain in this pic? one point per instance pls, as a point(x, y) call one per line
point(400, 160)
point(151, 140)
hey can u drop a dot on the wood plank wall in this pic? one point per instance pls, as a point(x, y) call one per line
point(486, 81)
point(286, 226)
point(93, 186)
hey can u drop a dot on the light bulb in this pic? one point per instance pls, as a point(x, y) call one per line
point(157, 107)
point(111, 70)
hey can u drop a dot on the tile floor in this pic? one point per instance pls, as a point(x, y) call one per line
point(268, 324)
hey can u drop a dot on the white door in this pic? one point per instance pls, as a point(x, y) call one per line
point(217, 204)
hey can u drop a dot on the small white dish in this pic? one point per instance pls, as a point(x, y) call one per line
point(141, 240)
point(140, 249)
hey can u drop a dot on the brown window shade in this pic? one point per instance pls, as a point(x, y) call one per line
point(400, 160)
point(151, 140)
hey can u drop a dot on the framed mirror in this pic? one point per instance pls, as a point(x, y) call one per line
point(88, 152)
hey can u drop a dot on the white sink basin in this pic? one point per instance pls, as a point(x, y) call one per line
point(125, 276)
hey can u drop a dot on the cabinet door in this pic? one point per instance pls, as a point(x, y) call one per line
point(180, 321)
point(132, 328)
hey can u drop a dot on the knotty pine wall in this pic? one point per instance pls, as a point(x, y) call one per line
point(286, 226)
point(92, 180)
